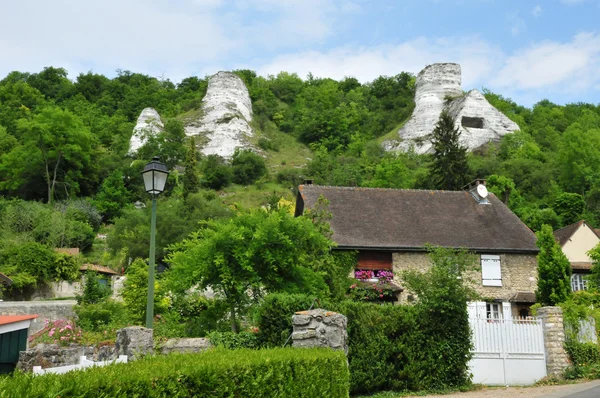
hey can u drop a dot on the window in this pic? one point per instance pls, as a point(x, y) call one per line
point(578, 282)
point(493, 310)
point(472, 122)
point(490, 270)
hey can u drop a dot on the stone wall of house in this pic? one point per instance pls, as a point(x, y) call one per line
point(53, 355)
point(46, 310)
point(519, 274)
point(557, 359)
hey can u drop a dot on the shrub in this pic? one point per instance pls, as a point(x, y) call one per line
point(583, 353)
point(290, 177)
point(247, 167)
point(93, 290)
point(267, 144)
point(135, 292)
point(100, 316)
point(28, 264)
point(62, 332)
point(274, 317)
point(215, 373)
point(215, 173)
point(232, 340)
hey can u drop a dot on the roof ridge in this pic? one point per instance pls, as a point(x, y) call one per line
point(570, 225)
point(381, 189)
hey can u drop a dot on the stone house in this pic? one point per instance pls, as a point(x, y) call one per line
point(576, 240)
point(390, 228)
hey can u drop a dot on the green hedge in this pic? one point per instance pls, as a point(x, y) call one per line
point(376, 333)
point(214, 373)
point(583, 353)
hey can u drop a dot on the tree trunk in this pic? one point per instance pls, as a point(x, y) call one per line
point(234, 325)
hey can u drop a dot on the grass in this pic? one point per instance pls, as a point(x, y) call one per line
point(253, 196)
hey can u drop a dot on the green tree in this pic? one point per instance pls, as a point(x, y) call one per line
point(449, 169)
point(94, 291)
point(247, 167)
point(216, 174)
point(554, 270)
point(594, 278)
point(442, 320)
point(135, 292)
point(569, 207)
point(191, 180)
point(255, 251)
point(55, 145)
point(113, 196)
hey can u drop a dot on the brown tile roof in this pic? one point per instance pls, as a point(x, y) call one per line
point(98, 268)
point(523, 297)
point(581, 265)
point(73, 251)
point(8, 319)
point(395, 219)
point(5, 279)
point(564, 234)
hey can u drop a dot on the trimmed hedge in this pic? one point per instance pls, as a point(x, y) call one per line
point(583, 353)
point(214, 373)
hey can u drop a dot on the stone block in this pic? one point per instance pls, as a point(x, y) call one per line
point(185, 345)
point(320, 328)
point(135, 341)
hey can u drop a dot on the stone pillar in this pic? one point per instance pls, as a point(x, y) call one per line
point(134, 341)
point(320, 328)
point(554, 340)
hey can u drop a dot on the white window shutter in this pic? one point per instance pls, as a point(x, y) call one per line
point(481, 309)
point(491, 272)
point(507, 310)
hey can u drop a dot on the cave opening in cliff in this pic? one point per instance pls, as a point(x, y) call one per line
point(472, 122)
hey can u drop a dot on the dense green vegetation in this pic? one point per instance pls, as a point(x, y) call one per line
point(216, 373)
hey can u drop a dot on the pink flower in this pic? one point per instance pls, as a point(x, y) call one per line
point(381, 296)
point(69, 327)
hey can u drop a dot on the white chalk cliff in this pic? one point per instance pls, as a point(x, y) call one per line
point(225, 118)
point(148, 124)
point(438, 88)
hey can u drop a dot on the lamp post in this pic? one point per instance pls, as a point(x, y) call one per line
point(155, 177)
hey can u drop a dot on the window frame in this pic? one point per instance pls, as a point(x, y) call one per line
point(579, 282)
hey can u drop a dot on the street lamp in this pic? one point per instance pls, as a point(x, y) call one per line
point(155, 177)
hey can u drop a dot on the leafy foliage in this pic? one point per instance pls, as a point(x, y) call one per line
point(554, 270)
point(247, 167)
point(94, 291)
point(449, 169)
point(135, 292)
point(308, 373)
point(253, 251)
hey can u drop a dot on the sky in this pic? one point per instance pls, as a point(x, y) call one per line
point(527, 50)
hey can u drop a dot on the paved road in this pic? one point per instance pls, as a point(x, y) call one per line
point(593, 392)
point(583, 390)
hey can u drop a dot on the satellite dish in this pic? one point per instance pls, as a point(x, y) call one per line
point(482, 191)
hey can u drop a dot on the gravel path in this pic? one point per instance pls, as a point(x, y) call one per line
point(529, 392)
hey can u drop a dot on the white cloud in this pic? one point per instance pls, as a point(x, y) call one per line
point(564, 66)
point(536, 11)
point(475, 55)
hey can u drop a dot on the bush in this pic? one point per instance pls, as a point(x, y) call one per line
point(583, 353)
point(215, 173)
point(267, 144)
point(28, 265)
point(93, 290)
point(135, 292)
point(274, 317)
point(232, 340)
point(247, 167)
point(215, 373)
point(100, 316)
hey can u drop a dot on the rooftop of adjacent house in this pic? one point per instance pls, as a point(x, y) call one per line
point(8, 319)
point(565, 233)
point(98, 268)
point(5, 279)
point(400, 219)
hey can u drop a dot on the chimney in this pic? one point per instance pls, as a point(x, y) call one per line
point(478, 190)
point(308, 182)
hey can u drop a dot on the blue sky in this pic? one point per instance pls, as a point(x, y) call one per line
point(524, 49)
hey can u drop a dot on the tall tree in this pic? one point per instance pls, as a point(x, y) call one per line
point(255, 252)
point(191, 180)
point(554, 270)
point(450, 169)
point(55, 145)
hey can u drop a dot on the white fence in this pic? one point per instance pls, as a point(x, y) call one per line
point(507, 351)
point(83, 363)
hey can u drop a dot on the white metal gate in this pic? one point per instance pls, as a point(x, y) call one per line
point(507, 351)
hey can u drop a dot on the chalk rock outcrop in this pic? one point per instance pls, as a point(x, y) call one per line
point(438, 88)
point(224, 124)
point(148, 124)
